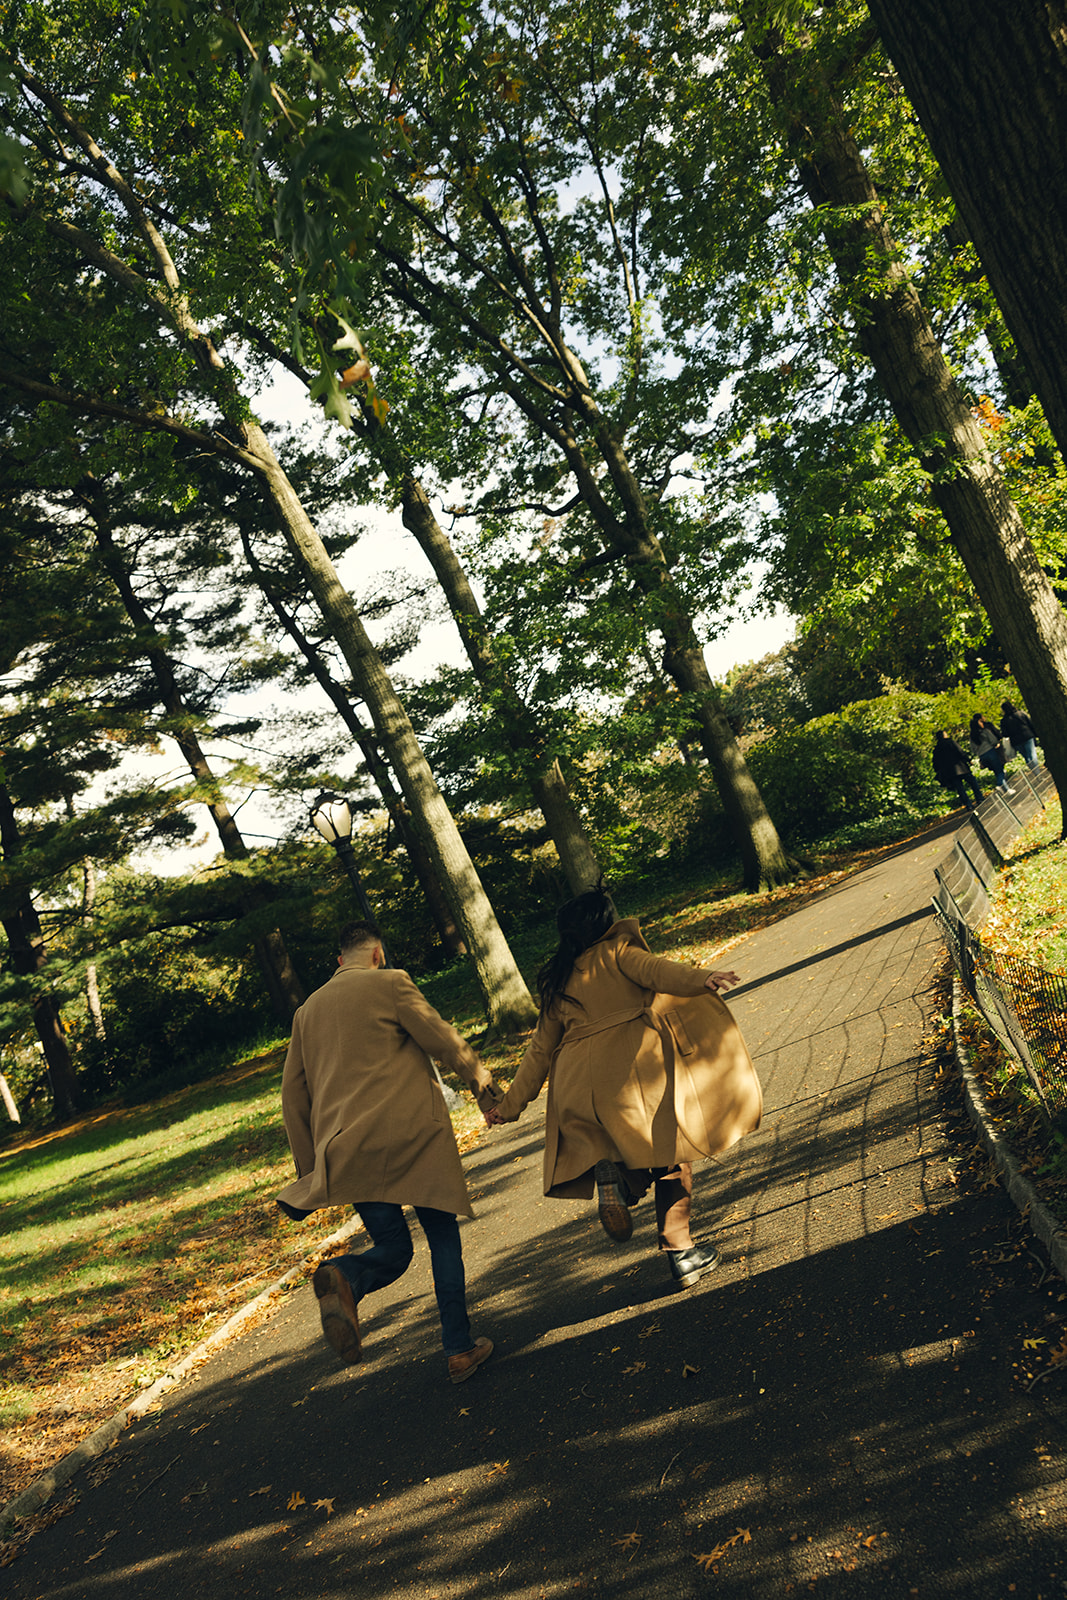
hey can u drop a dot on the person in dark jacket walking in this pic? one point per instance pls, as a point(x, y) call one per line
point(952, 768)
point(1017, 727)
point(986, 745)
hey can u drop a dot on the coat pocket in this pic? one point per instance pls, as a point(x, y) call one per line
point(680, 1033)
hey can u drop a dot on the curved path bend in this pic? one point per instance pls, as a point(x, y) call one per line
point(835, 1410)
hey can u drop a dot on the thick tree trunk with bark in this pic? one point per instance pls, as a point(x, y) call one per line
point(422, 866)
point(275, 963)
point(631, 537)
point(545, 775)
point(988, 79)
point(509, 1006)
point(28, 956)
point(894, 332)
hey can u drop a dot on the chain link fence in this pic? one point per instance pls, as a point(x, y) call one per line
point(1025, 1006)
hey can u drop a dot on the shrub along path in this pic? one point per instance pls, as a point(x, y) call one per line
point(838, 1408)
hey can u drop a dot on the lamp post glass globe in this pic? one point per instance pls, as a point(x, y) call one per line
point(332, 819)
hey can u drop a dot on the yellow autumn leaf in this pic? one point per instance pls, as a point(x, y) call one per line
point(323, 1505)
point(296, 1499)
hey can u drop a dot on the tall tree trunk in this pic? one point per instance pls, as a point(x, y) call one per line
point(895, 334)
point(280, 976)
point(632, 538)
point(509, 1006)
point(28, 956)
point(988, 79)
point(1011, 368)
point(9, 1099)
point(92, 987)
point(422, 866)
point(545, 775)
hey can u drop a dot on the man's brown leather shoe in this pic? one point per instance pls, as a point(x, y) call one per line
point(463, 1366)
point(337, 1308)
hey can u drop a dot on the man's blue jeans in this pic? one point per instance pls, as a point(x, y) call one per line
point(390, 1257)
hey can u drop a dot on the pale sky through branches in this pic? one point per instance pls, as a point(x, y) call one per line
point(386, 546)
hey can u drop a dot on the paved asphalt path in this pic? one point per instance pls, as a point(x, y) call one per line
point(833, 1411)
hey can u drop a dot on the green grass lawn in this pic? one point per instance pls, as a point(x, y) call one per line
point(1029, 915)
point(1028, 921)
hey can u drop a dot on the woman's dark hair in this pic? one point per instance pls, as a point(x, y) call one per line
point(977, 722)
point(581, 922)
point(1008, 709)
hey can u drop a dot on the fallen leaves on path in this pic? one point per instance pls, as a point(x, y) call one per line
point(708, 1558)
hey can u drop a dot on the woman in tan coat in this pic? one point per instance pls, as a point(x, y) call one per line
point(647, 1072)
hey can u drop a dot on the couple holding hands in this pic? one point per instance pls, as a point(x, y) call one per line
point(647, 1072)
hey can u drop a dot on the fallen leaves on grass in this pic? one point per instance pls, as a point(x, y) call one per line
point(629, 1541)
point(294, 1500)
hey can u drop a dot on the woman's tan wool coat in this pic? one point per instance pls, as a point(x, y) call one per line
point(645, 1065)
point(365, 1116)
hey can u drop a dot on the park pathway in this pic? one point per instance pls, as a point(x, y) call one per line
point(834, 1411)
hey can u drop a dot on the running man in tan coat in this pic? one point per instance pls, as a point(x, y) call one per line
point(368, 1126)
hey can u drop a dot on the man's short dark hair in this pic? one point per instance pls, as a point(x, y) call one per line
point(356, 934)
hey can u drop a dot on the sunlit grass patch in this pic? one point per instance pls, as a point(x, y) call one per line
point(1029, 914)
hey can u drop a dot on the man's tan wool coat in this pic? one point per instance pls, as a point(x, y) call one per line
point(645, 1065)
point(365, 1116)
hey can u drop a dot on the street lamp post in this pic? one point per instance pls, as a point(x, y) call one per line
point(333, 820)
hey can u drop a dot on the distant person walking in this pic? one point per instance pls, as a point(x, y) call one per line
point(640, 1083)
point(952, 768)
point(1017, 727)
point(987, 748)
point(367, 1126)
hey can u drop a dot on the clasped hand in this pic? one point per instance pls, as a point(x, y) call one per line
point(720, 980)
